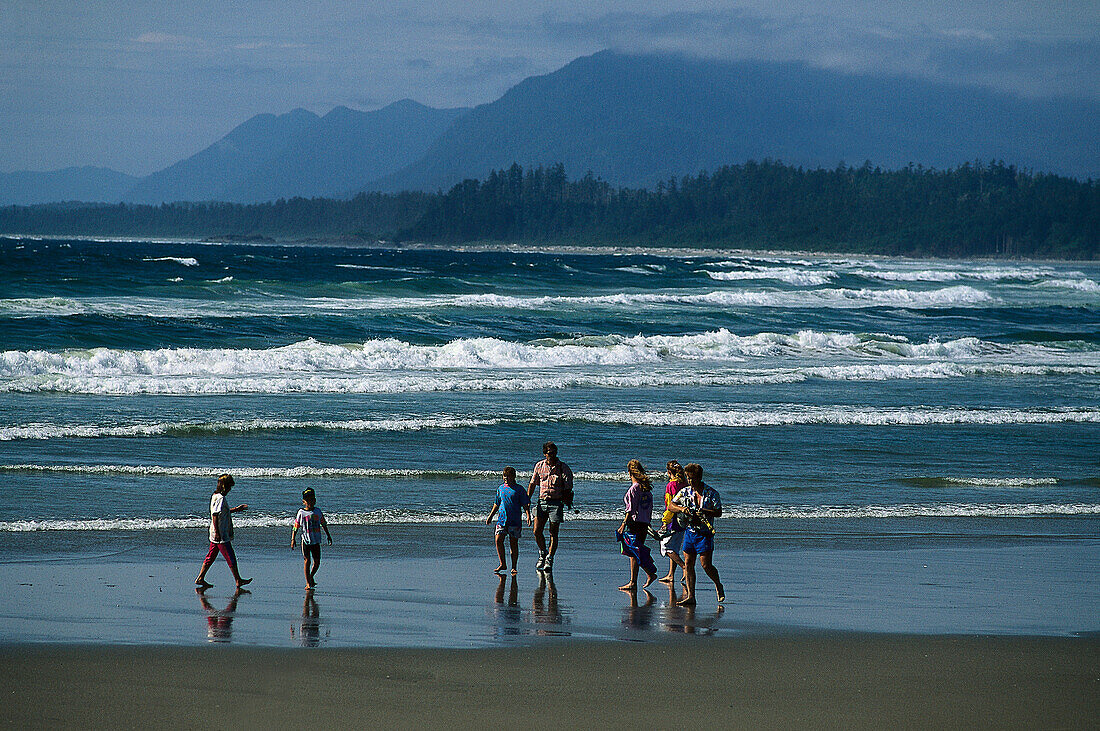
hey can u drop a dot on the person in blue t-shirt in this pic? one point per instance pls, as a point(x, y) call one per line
point(510, 500)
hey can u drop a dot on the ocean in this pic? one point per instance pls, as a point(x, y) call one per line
point(839, 403)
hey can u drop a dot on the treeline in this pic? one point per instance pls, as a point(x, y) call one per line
point(367, 215)
point(974, 210)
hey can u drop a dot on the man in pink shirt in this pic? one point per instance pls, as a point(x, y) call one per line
point(554, 481)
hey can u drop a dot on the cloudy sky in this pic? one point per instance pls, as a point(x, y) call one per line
point(136, 85)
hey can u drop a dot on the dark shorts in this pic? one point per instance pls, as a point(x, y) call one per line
point(697, 544)
point(311, 549)
point(552, 510)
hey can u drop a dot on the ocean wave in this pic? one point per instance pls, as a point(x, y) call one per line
point(389, 516)
point(930, 510)
point(31, 368)
point(795, 415)
point(186, 261)
point(981, 482)
point(790, 275)
point(747, 416)
point(297, 472)
point(263, 306)
point(381, 383)
point(1081, 284)
point(182, 428)
point(950, 273)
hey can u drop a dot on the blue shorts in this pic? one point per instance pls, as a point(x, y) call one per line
point(695, 543)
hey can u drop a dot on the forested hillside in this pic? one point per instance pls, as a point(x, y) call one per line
point(974, 210)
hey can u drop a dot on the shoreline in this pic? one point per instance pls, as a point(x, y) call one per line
point(811, 679)
point(515, 247)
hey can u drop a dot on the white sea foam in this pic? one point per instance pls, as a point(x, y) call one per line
point(392, 366)
point(1000, 482)
point(953, 273)
point(298, 472)
point(731, 512)
point(798, 277)
point(265, 306)
point(186, 261)
point(929, 510)
point(155, 429)
point(746, 416)
point(793, 414)
point(1081, 285)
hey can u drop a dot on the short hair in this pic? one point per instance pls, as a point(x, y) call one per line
point(509, 473)
point(549, 447)
point(225, 481)
point(694, 473)
point(309, 496)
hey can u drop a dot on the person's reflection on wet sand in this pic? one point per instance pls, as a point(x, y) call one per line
point(219, 624)
point(508, 616)
point(639, 616)
point(545, 609)
point(513, 592)
point(680, 618)
point(309, 630)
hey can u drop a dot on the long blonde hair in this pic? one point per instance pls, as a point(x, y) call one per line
point(637, 473)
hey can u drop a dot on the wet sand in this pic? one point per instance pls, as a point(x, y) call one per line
point(819, 680)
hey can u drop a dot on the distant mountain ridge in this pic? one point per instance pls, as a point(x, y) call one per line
point(300, 154)
point(632, 120)
point(637, 120)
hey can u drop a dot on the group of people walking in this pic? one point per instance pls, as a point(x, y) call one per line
point(687, 523)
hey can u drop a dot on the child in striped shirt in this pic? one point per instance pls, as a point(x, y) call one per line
point(310, 521)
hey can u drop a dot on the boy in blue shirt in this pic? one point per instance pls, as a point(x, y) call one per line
point(511, 498)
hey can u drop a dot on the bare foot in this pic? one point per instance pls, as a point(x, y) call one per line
point(628, 587)
point(202, 584)
point(721, 593)
point(652, 578)
point(242, 582)
point(513, 572)
point(688, 601)
point(500, 569)
point(667, 579)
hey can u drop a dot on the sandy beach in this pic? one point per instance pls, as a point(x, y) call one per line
point(815, 680)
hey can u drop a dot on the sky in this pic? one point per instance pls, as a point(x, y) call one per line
point(136, 85)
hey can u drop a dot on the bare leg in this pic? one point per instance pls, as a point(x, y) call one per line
point(712, 572)
point(231, 559)
point(633, 583)
point(305, 570)
point(553, 539)
point(500, 553)
point(540, 539)
point(689, 572)
point(201, 581)
point(674, 560)
point(514, 539)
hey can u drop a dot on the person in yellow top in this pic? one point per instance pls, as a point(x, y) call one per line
point(672, 528)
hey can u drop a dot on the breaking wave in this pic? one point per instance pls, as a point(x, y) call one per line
point(746, 416)
point(388, 516)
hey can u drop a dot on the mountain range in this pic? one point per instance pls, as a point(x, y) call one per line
point(633, 120)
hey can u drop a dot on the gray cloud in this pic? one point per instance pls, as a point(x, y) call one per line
point(142, 83)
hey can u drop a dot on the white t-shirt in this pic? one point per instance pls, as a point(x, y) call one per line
point(219, 511)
